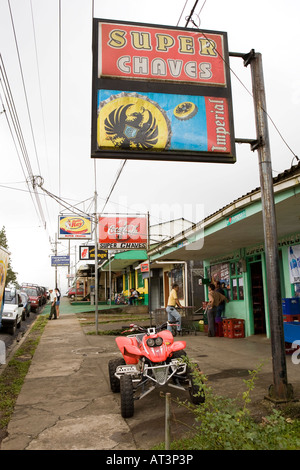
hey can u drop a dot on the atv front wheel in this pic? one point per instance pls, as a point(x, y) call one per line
point(114, 381)
point(196, 391)
point(127, 402)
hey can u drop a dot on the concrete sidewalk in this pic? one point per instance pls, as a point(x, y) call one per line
point(66, 402)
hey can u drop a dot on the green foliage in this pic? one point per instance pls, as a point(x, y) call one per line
point(11, 276)
point(226, 424)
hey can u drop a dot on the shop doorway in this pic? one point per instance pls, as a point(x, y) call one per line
point(258, 301)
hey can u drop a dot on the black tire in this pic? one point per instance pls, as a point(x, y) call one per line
point(114, 381)
point(13, 328)
point(179, 354)
point(127, 402)
point(195, 388)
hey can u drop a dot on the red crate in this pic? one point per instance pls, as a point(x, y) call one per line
point(291, 318)
point(233, 328)
point(219, 329)
point(234, 333)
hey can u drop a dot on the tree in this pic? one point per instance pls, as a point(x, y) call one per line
point(11, 276)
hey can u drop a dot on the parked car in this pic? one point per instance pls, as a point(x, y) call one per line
point(26, 305)
point(73, 292)
point(12, 310)
point(44, 295)
point(34, 296)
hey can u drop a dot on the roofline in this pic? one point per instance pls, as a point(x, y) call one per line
point(286, 180)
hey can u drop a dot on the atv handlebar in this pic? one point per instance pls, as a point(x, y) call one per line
point(142, 329)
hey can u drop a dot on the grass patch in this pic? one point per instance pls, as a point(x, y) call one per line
point(12, 378)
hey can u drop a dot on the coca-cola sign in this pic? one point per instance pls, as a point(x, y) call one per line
point(123, 232)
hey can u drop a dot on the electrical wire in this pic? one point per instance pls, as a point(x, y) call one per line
point(190, 19)
point(114, 183)
point(23, 82)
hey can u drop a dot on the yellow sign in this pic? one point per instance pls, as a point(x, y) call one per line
point(132, 121)
point(75, 227)
point(4, 259)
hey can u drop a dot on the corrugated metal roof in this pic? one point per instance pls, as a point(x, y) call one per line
point(285, 175)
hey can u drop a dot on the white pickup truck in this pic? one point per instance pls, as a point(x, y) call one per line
point(12, 310)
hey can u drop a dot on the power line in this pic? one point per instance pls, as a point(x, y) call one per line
point(190, 19)
point(23, 82)
point(114, 184)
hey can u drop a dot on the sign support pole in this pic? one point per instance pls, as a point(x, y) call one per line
point(96, 265)
point(280, 390)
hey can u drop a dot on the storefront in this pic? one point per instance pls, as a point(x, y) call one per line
point(230, 243)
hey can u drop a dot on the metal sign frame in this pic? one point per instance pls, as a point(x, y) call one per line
point(167, 90)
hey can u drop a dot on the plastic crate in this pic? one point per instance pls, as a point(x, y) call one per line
point(291, 306)
point(219, 329)
point(291, 332)
point(233, 328)
point(234, 333)
point(291, 318)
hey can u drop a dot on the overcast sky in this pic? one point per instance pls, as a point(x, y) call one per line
point(166, 189)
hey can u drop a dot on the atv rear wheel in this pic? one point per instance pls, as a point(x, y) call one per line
point(114, 381)
point(127, 402)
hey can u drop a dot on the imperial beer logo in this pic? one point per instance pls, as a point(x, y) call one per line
point(133, 121)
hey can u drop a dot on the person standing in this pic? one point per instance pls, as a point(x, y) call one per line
point(221, 306)
point(173, 314)
point(57, 303)
point(214, 298)
point(53, 305)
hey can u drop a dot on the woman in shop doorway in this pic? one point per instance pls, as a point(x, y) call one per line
point(214, 298)
point(57, 295)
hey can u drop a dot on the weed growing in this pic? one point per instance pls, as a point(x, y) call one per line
point(226, 424)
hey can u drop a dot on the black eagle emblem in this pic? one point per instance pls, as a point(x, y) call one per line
point(135, 130)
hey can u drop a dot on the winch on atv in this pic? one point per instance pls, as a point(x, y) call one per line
point(151, 358)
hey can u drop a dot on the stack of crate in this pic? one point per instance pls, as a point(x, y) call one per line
point(233, 328)
point(291, 315)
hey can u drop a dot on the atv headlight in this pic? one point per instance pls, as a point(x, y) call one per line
point(151, 342)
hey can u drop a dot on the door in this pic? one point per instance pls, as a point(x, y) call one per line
point(257, 293)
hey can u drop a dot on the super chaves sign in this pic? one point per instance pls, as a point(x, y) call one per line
point(161, 93)
point(153, 53)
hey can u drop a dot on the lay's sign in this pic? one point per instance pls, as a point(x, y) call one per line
point(74, 227)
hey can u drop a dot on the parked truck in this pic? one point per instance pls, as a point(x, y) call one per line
point(4, 259)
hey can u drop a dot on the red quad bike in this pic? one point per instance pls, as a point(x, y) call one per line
point(151, 358)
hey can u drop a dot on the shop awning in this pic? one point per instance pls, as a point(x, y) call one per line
point(122, 260)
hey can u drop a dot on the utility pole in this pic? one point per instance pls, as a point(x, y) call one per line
point(96, 264)
point(280, 390)
point(55, 251)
